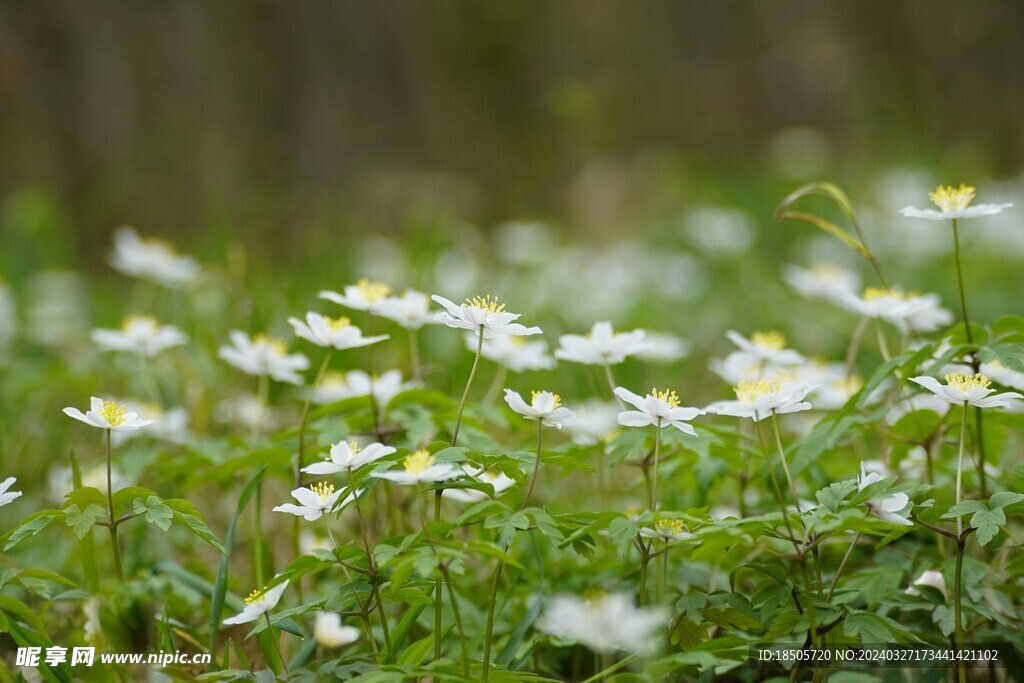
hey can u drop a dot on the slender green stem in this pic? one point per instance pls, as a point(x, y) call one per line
point(469, 383)
point(645, 559)
point(611, 382)
point(330, 534)
point(854, 348)
point(782, 458)
point(262, 394)
point(464, 656)
point(611, 669)
point(277, 646)
point(883, 346)
point(497, 382)
point(536, 465)
point(414, 354)
point(111, 522)
point(979, 428)
point(958, 578)
point(657, 454)
point(664, 569)
point(438, 595)
point(365, 533)
point(870, 254)
point(960, 284)
point(489, 629)
point(839, 571)
point(960, 467)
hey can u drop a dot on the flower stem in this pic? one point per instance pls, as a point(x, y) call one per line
point(839, 571)
point(300, 461)
point(489, 629)
point(469, 383)
point(958, 577)
point(491, 395)
point(611, 383)
point(979, 428)
point(657, 453)
point(611, 669)
point(365, 532)
point(277, 646)
point(782, 457)
point(330, 534)
point(438, 596)
point(414, 354)
point(536, 466)
point(112, 524)
point(960, 284)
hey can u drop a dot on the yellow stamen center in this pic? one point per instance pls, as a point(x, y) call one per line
point(113, 413)
point(323, 490)
point(337, 324)
point(138, 321)
point(850, 385)
point(276, 345)
point(486, 303)
point(417, 462)
point(256, 596)
point(669, 527)
point(373, 291)
point(668, 396)
point(967, 382)
point(949, 198)
point(538, 394)
point(773, 340)
point(354, 447)
point(748, 392)
point(872, 293)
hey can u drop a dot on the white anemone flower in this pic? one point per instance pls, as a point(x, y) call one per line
point(822, 281)
point(666, 530)
point(499, 480)
point(663, 347)
point(152, 259)
point(258, 603)
point(741, 366)
point(929, 578)
point(108, 415)
point(329, 631)
point(421, 467)
point(759, 400)
point(169, 424)
point(514, 353)
point(596, 420)
point(887, 507)
point(263, 355)
point(6, 495)
point(346, 456)
point(604, 623)
point(1004, 375)
point(141, 335)
point(602, 346)
point(411, 310)
point(384, 387)
point(314, 502)
point(543, 405)
point(953, 203)
point(365, 295)
point(970, 390)
point(659, 408)
point(909, 312)
point(332, 333)
point(767, 347)
point(482, 313)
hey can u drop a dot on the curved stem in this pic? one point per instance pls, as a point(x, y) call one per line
point(111, 522)
point(491, 395)
point(469, 383)
point(611, 669)
point(277, 646)
point(883, 346)
point(960, 284)
point(611, 383)
point(782, 457)
point(854, 348)
point(536, 465)
point(839, 571)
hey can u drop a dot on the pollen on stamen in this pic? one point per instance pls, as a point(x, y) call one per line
point(113, 413)
point(774, 340)
point(276, 345)
point(138, 321)
point(965, 383)
point(748, 392)
point(669, 527)
point(323, 490)
point(873, 293)
point(338, 324)
point(949, 198)
point(256, 595)
point(669, 396)
point(373, 291)
point(555, 397)
point(487, 303)
point(417, 462)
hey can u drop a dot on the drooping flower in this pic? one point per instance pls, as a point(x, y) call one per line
point(411, 310)
point(346, 456)
point(499, 480)
point(603, 623)
point(315, 502)
point(329, 631)
point(971, 390)
point(384, 387)
point(152, 259)
point(262, 355)
point(482, 313)
point(929, 578)
point(659, 408)
point(515, 353)
point(953, 203)
point(332, 333)
point(365, 295)
point(258, 603)
point(909, 312)
point(6, 495)
point(141, 335)
point(543, 405)
point(602, 346)
point(420, 467)
point(108, 415)
point(758, 400)
point(822, 281)
point(887, 507)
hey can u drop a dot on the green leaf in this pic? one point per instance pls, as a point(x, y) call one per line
point(81, 521)
point(688, 633)
point(1009, 355)
point(155, 510)
point(32, 525)
point(965, 508)
point(839, 198)
point(185, 513)
point(988, 522)
point(731, 618)
point(1005, 499)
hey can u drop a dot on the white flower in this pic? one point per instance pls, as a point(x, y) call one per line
point(365, 295)
point(887, 508)
point(741, 366)
point(909, 312)
point(168, 425)
point(605, 623)
point(835, 387)
point(247, 410)
point(141, 335)
point(603, 346)
point(823, 281)
point(907, 405)
point(543, 405)
point(666, 530)
point(953, 202)
point(315, 502)
point(61, 481)
point(595, 420)
point(758, 400)
point(6, 496)
point(660, 408)
point(151, 259)
point(333, 333)
point(482, 313)
point(420, 467)
point(929, 578)
point(515, 353)
point(337, 387)
point(663, 348)
point(346, 456)
point(411, 310)
point(966, 389)
point(108, 415)
point(1004, 375)
point(259, 603)
point(499, 480)
point(767, 347)
point(329, 632)
point(264, 355)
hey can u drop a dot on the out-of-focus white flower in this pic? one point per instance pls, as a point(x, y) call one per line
point(543, 405)
point(666, 530)
point(152, 259)
point(61, 480)
point(108, 415)
point(411, 310)
point(909, 312)
point(168, 425)
point(515, 353)
point(595, 420)
point(888, 507)
point(663, 347)
point(1004, 375)
point(55, 309)
point(524, 243)
point(314, 502)
point(365, 295)
point(310, 541)
point(767, 347)
point(420, 467)
point(603, 346)
point(141, 335)
point(929, 578)
point(759, 400)
point(719, 230)
point(967, 390)
point(259, 603)
point(329, 631)
point(247, 410)
point(659, 408)
point(835, 388)
point(482, 313)
point(720, 512)
point(822, 281)
point(740, 366)
point(93, 628)
point(346, 456)
point(499, 480)
point(953, 203)
point(384, 387)
point(604, 623)
point(332, 333)
point(8, 316)
point(6, 495)
point(263, 355)
point(931, 402)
